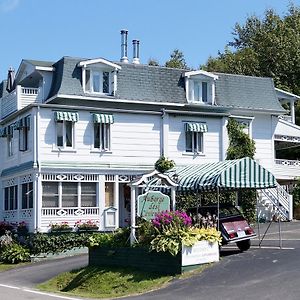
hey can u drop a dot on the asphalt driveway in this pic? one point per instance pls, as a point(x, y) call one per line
point(260, 273)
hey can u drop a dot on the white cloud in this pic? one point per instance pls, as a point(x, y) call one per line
point(8, 5)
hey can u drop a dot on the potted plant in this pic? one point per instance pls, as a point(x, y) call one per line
point(60, 227)
point(88, 225)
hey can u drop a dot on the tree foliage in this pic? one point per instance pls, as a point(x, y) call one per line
point(240, 144)
point(176, 60)
point(268, 46)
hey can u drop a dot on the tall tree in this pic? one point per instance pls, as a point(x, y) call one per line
point(269, 47)
point(176, 60)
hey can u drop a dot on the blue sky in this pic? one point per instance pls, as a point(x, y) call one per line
point(50, 29)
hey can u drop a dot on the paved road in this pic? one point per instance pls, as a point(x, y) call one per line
point(19, 283)
point(260, 273)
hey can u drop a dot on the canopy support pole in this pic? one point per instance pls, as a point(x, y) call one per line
point(257, 219)
point(173, 198)
point(132, 216)
point(279, 220)
point(218, 208)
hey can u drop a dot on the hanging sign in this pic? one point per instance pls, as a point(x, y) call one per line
point(152, 203)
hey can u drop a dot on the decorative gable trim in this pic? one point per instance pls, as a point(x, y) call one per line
point(103, 61)
point(200, 72)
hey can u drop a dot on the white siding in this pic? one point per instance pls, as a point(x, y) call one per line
point(135, 139)
point(262, 133)
point(212, 140)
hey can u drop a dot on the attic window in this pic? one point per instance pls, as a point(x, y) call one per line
point(99, 76)
point(97, 81)
point(200, 87)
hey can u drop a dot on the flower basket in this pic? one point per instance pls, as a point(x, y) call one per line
point(86, 226)
point(60, 227)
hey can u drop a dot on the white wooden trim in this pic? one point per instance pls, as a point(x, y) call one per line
point(201, 72)
point(85, 63)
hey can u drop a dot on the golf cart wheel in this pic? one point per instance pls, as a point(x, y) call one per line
point(244, 245)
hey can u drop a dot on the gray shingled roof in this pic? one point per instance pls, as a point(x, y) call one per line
point(39, 63)
point(239, 91)
point(160, 84)
point(3, 91)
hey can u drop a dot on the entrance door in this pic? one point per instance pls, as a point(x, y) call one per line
point(124, 204)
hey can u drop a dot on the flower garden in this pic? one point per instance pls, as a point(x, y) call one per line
point(165, 235)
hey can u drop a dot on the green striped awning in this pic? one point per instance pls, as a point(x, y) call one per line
point(66, 116)
point(229, 174)
point(195, 127)
point(103, 118)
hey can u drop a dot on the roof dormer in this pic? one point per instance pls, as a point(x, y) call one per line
point(200, 87)
point(99, 76)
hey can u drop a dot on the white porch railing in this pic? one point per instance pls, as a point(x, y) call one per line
point(70, 211)
point(286, 162)
point(17, 99)
point(278, 200)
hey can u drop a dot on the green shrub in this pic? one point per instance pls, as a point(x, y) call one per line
point(163, 164)
point(14, 253)
point(48, 243)
point(119, 238)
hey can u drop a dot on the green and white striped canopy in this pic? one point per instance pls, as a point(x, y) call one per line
point(195, 127)
point(103, 118)
point(226, 175)
point(66, 116)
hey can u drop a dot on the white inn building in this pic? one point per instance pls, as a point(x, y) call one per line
point(75, 132)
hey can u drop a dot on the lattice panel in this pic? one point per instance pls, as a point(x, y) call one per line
point(70, 177)
point(10, 182)
point(26, 178)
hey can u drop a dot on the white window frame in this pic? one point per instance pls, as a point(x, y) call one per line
point(27, 195)
point(199, 85)
point(64, 135)
point(24, 139)
point(197, 142)
point(14, 191)
point(10, 145)
point(89, 88)
point(104, 136)
point(79, 194)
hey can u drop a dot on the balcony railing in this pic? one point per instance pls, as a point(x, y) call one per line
point(285, 162)
point(18, 98)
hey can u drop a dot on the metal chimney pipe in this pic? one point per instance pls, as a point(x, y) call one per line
point(124, 58)
point(136, 51)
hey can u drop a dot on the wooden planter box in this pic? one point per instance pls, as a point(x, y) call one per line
point(159, 262)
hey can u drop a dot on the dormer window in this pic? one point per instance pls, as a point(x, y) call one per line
point(99, 76)
point(97, 81)
point(200, 87)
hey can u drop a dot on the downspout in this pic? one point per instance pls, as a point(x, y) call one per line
point(164, 133)
point(37, 190)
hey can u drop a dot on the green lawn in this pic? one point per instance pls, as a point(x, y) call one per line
point(4, 267)
point(101, 282)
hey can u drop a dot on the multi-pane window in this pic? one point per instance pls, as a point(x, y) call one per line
point(69, 194)
point(23, 138)
point(88, 194)
point(102, 136)
point(64, 134)
point(27, 195)
point(194, 137)
point(97, 81)
point(194, 142)
point(11, 198)
point(201, 91)
point(109, 194)
point(50, 194)
point(10, 145)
